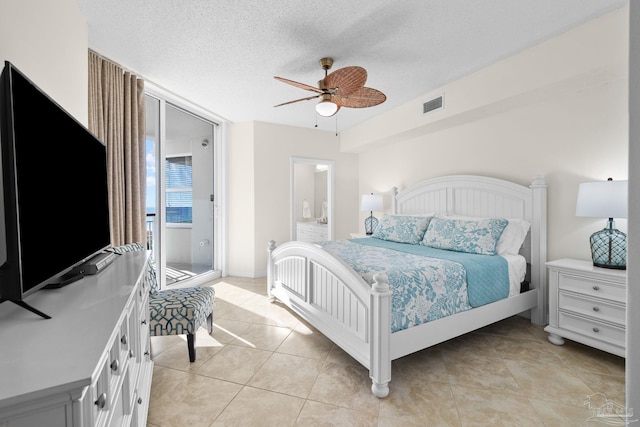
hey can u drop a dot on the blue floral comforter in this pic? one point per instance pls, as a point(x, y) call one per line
point(427, 283)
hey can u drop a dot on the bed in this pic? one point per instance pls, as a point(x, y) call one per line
point(354, 310)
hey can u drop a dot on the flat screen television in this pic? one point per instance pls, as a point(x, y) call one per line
point(55, 210)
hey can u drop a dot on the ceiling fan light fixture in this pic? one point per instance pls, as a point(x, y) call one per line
point(326, 108)
point(341, 88)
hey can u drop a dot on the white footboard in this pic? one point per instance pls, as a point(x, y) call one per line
point(332, 297)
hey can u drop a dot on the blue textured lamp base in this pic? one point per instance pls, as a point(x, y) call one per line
point(370, 224)
point(609, 248)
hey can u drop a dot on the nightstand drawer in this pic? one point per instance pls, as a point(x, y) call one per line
point(592, 307)
point(592, 328)
point(596, 288)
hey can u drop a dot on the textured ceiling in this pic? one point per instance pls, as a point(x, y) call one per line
point(222, 55)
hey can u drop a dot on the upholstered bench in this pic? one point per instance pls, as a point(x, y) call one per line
point(176, 311)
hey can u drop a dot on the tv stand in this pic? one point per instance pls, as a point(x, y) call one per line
point(66, 279)
point(27, 306)
point(90, 365)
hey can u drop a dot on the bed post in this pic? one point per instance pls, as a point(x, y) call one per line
point(270, 270)
point(394, 200)
point(379, 350)
point(539, 248)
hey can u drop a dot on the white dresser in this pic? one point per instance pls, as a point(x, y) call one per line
point(311, 232)
point(90, 364)
point(587, 304)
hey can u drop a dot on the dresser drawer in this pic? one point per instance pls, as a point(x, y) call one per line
point(591, 328)
point(100, 394)
point(320, 235)
point(597, 308)
point(596, 288)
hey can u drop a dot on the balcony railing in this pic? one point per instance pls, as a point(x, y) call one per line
point(151, 220)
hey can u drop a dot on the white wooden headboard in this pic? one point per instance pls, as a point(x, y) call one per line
point(485, 197)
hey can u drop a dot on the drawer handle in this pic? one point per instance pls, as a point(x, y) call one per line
point(102, 401)
point(596, 308)
point(596, 288)
point(123, 340)
point(114, 365)
point(596, 330)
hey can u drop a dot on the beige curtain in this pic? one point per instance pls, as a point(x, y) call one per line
point(116, 116)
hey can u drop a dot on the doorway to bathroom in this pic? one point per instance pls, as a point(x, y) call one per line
point(311, 199)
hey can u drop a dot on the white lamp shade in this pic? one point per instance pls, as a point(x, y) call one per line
point(326, 108)
point(371, 202)
point(602, 199)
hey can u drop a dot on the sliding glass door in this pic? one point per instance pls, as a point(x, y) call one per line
point(181, 209)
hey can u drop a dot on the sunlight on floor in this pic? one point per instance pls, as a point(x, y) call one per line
point(264, 365)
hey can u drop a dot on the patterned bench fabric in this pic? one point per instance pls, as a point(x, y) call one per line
point(174, 311)
point(180, 311)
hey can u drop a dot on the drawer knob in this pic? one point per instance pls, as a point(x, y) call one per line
point(596, 308)
point(139, 401)
point(114, 365)
point(123, 340)
point(144, 321)
point(102, 401)
point(596, 288)
point(596, 330)
point(130, 354)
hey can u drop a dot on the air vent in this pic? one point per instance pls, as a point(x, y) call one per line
point(433, 104)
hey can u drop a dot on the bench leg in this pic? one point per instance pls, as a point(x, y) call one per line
point(210, 323)
point(191, 343)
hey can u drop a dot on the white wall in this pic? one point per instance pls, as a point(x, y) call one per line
point(260, 185)
point(241, 250)
point(558, 109)
point(48, 42)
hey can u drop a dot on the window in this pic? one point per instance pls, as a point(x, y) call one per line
point(179, 192)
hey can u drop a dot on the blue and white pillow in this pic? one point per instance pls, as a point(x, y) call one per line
point(471, 236)
point(402, 228)
point(512, 237)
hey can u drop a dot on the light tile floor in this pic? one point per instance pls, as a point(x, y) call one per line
point(263, 366)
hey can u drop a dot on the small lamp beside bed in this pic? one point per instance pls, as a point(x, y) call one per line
point(371, 202)
point(605, 199)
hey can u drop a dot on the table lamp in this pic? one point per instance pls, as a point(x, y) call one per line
point(605, 199)
point(371, 202)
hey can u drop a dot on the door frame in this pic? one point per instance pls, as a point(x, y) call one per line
point(219, 188)
point(330, 192)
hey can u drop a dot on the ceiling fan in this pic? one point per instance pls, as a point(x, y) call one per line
point(341, 88)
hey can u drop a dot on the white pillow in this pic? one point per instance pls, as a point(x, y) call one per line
point(431, 214)
point(512, 237)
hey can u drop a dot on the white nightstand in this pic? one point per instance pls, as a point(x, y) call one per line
point(359, 235)
point(587, 304)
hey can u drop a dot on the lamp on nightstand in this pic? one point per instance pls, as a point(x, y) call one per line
point(371, 202)
point(605, 199)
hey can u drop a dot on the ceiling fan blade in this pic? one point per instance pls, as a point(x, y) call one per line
point(297, 100)
point(345, 81)
point(362, 98)
point(299, 85)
